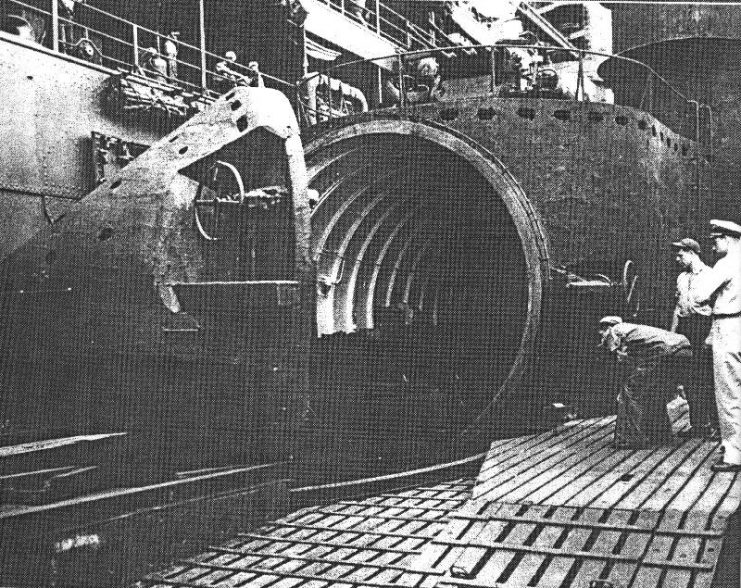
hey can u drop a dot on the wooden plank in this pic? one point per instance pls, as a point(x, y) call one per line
point(650, 577)
point(357, 532)
point(560, 474)
point(264, 575)
point(592, 480)
point(379, 514)
point(476, 550)
point(340, 534)
point(499, 457)
point(720, 496)
point(568, 524)
point(581, 554)
point(335, 556)
point(604, 543)
point(587, 478)
point(695, 488)
point(685, 549)
point(731, 498)
point(679, 478)
point(635, 544)
point(439, 556)
point(498, 564)
point(611, 487)
point(642, 492)
point(399, 503)
point(499, 465)
point(548, 537)
point(556, 569)
point(518, 469)
point(455, 501)
point(277, 540)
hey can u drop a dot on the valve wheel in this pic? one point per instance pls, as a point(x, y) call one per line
point(224, 186)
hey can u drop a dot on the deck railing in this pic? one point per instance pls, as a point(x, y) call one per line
point(385, 22)
point(657, 96)
point(119, 44)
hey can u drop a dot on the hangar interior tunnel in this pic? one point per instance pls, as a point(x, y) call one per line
point(428, 288)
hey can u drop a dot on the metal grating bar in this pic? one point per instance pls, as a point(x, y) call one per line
point(153, 580)
point(302, 541)
point(571, 553)
point(586, 525)
point(336, 530)
point(290, 557)
point(403, 506)
point(379, 516)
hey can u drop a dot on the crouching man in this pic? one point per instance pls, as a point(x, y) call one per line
point(656, 361)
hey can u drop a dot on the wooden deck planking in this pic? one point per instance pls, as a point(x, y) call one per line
point(502, 456)
point(439, 555)
point(669, 472)
point(546, 482)
point(349, 543)
point(476, 557)
point(696, 467)
point(548, 537)
point(599, 478)
point(553, 510)
point(635, 544)
point(495, 563)
point(515, 471)
point(651, 510)
point(594, 471)
point(555, 570)
point(616, 484)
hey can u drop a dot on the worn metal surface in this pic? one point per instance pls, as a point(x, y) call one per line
point(124, 319)
point(655, 21)
point(705, 69)
point(480, 208)
point(50, 108)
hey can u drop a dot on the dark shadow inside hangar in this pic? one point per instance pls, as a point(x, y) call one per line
point(423, 297)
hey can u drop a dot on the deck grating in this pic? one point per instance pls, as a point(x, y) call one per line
point(561, 509)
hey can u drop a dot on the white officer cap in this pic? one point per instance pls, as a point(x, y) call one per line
point(721, 228)
point(610, 321)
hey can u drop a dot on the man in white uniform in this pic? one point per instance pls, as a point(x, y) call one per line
point(721, 285)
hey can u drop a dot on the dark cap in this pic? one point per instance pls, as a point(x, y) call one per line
point(687, 244)
point(721, 228)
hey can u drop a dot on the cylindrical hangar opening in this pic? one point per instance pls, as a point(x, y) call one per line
point(430, 270)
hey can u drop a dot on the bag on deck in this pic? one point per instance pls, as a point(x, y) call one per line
point(679, 413)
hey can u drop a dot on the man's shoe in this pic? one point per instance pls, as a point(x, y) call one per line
point(723, 466)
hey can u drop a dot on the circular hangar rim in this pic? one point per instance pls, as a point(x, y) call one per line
point(532, 236)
